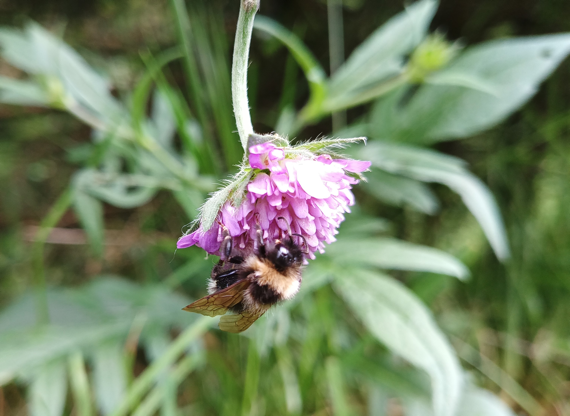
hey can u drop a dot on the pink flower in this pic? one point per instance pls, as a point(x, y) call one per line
point(311, 194)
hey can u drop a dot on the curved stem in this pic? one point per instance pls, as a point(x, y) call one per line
point(240, 62)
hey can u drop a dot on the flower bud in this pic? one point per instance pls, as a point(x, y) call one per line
point(431, 55)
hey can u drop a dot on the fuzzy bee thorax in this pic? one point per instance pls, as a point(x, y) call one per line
point(285, 283)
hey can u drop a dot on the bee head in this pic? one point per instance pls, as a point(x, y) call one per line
point(285, 254)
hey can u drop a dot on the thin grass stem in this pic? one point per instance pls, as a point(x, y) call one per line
point(59, 208)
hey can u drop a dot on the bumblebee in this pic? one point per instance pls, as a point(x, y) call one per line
point(248, 286)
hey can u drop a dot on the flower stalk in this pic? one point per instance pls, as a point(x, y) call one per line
point(247, 12)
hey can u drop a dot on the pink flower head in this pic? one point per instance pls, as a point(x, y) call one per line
point(311, 194)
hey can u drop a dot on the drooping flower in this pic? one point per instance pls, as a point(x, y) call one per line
point(307, 192)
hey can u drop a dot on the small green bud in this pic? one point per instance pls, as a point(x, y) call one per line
point(55, 91)
point(431, 55)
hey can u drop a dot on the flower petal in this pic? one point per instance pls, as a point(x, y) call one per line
point(300, 207)
point(353, 165)
point(260, 185)
point(187, 240)
point(309, 178)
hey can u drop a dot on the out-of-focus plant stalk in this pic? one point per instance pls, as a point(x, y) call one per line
point(336, 51)
point(80, 385)
point(50, 221)
point(247, 11)
point(190, 65)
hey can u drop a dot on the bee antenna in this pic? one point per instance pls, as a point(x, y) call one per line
point(302, 237)
point(288, 226)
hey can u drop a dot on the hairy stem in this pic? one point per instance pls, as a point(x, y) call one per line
point(244, 29)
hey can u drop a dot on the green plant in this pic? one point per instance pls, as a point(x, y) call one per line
point(328, 348)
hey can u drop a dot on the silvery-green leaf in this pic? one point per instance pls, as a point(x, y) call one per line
point(163, 119)
point(125, 191)
point(479, 402)
point(462, 79)
point(18, 50)
point(474, 402)
point(397, 190)
point(400, 321)
point(387, 253)
point(328, 145)
point(430, 166)
point(490, 81)
point(209, 211)
point(89, 210)
point(381, 55)
point(13, 91)
point(109, 376)
point(48, 388)
point(79, 79)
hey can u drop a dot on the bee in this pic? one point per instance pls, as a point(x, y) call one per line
point(248, 287)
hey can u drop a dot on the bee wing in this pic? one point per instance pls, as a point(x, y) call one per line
point(218, 303)
point(240, 322)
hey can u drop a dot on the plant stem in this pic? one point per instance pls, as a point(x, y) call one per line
point(54, 215)
point(336, 51)
point(251, 378)
point(80, 384)
point(247, 11)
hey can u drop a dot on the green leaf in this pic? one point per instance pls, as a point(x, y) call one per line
point(382, 54)
point(89, 210)
point(79, 384)
point(142, 90)
point(492, 80)
point(101, 313)
point(109, 376)
point(79, 78)
point(190, 200)
point(329, 145)
point(392, 377)
point(19, 92)
point(387, 253)
point(19, 50)
point(396, 190)
point(474, 402)
point(48, 389)
point(479, 402)
point(430, 166)
point(397, 319)
point(125, 191)
point(313, 71)
point(27, 348)
point(163, 119)
point(337, 389)
point(209, 211)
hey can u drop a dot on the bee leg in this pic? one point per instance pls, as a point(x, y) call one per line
point(302, 237)
point(227, 245)
point(258, 243)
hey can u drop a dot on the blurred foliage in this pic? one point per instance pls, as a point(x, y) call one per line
point(83, 205)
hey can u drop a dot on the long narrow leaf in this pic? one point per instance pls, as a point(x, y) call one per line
point(430, 166)
point(399, 320)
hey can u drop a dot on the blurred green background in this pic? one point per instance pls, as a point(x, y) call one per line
point(115, 284)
